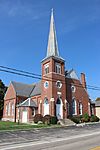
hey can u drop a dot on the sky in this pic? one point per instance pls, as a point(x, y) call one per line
point(24, 29)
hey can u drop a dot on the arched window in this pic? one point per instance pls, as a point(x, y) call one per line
point(58, 68)
point(12, 109)
point(46, 68)
point(46, 101)
point(58, 101)
point(59, 108)
point(9, 109)
point(6, 109)
point(74, 107)
point(46, 107)
point(33, 111)
point(80, 108)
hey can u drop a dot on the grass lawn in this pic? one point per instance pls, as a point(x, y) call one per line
point(7, 125)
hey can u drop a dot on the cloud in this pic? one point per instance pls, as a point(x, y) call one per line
point(20, 8)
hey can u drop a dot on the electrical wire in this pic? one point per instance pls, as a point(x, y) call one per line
point(37, 76)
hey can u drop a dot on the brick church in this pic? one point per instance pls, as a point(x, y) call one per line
point(59, 93)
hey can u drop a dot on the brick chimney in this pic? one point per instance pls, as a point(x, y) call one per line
point(83, 81)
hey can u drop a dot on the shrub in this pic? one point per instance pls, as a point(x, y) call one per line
point(85, 118)
point(80, 117)
point(37, 118)
point(94, 118)
point(47, 119)
point(54, 120)
point(75, 119)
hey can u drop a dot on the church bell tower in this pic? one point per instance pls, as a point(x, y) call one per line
point(53, 78)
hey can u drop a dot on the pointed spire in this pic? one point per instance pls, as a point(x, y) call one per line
point(52, 49)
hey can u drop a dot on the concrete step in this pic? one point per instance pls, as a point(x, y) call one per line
point(66, 122)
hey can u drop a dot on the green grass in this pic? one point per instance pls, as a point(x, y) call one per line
point(7, 125)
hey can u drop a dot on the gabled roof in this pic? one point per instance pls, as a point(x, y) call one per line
point(26, 90)
point(22, 89)
point(28, 103)
point(36, 90)
point(72, 74)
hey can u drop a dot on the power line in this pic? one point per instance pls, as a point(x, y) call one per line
point(45, 78)
point(30, 76)
point(16, 71)
point(34, 74)
point(21, 74)
point(22, 71)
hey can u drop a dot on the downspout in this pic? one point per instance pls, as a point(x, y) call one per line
point(15, 108)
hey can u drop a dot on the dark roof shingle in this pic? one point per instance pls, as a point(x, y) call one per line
point(27, 90)
point(37, 89)
point(22, 89)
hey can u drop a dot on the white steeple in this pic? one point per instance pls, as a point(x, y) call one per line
point(52, 49)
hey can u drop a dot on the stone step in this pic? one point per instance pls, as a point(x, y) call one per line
point(66, 122)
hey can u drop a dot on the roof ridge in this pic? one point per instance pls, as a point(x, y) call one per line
point(22, 83)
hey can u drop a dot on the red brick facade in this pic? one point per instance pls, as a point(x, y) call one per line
point(52, 93)
point(80, 95)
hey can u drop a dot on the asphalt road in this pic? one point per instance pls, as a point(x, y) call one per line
point(69, 138)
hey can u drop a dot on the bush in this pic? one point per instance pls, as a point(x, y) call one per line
point(37, 118)
point(54, 120)
point(80, 117)
point(47, 119)
point(85, 118)
point(94, 118)
point(75, 119)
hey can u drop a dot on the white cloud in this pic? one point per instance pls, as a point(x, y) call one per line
point(19, 9)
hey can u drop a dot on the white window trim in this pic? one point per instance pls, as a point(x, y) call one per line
point(73, 89)
point(45, 67)
point(12, 109)
point(34, 112)
point(58, 65)
point(80, 108)
point(59, 85)
point(46, 104)
point(46, 84)
point(9, 109)
point(75, 107)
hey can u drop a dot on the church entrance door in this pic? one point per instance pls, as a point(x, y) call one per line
point(59, 111)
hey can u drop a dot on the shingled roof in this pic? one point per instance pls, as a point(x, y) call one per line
point(72, 74)
point(36, 90)
point(26, 90)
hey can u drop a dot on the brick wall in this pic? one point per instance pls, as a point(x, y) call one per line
point(52, 91)
point(80, 95)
